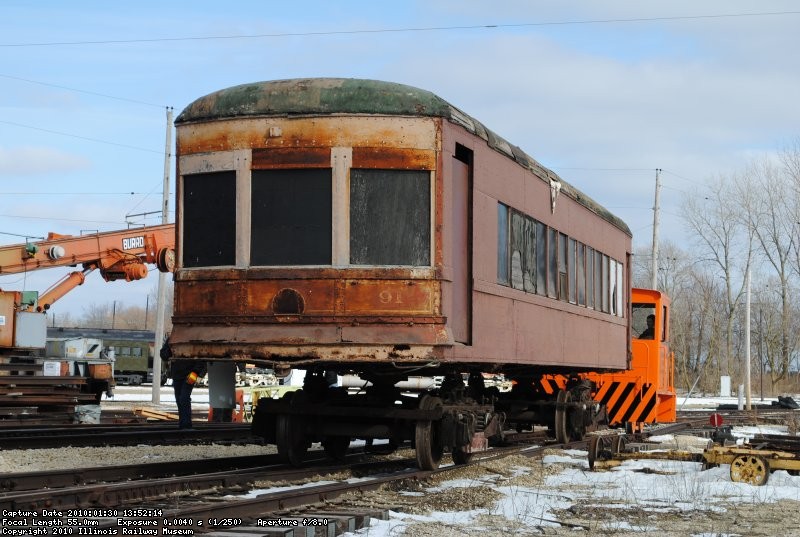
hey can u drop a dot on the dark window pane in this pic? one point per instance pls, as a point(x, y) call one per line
point(209, 219)
point(390, 217)
point(604, 284)
point(581, 275)
point(598, 280)
point(563, 280)
point(502, 244)
point(291, 217)
point(520, 268)
point(529, 256)
point(612, 282)
point(589, 277)
point(552, 263)
point(541, 258)
point(571, 269)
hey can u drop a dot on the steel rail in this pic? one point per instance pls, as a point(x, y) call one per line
point(123, 436)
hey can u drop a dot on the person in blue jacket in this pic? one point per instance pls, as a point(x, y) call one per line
point(184, 374)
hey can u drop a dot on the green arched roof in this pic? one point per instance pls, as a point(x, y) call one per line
point(313, 96)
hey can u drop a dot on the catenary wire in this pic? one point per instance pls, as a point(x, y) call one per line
point(404, 30)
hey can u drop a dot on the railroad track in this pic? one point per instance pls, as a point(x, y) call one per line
point(39, 437)
point(777, 415)
point(191, 501)
point(178, 497)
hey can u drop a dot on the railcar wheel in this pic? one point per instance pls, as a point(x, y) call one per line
point(427, 437)
point(336, 447)
point(460, 456)
point(595, 447)
point(601, 448)
point(562, 433)
point(290, 433)
point(750, 469)
point(619, 444)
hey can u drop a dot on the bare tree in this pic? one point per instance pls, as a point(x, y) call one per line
point(724, 242)
point(770, 215)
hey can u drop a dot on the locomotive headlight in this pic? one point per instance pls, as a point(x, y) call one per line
point(56, 252)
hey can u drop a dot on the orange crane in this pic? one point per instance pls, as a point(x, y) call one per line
point(117, 255)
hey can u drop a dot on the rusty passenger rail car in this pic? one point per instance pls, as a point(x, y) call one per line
point(356, 226)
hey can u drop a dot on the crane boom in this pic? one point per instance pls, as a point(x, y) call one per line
point(105, 251)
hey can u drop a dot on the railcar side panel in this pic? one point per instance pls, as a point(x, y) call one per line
point(534, 329)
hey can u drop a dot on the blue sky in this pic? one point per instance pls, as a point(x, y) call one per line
point(82, 118)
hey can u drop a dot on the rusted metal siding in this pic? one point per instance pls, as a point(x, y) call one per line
point(268, 133)
point(394, 158)
point(322, 299)
point(292, 157)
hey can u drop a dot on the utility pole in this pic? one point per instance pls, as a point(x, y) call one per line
point(161, 305)
point(654, 282)
point(747, 392)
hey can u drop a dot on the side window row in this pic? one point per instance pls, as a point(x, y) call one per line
point(536, 258)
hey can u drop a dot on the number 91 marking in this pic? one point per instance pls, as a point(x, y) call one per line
point(389, 297)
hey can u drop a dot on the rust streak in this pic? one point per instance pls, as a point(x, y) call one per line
point(393, 158)
point(306, 157)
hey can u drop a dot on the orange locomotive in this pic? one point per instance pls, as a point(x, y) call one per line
point(645, 393)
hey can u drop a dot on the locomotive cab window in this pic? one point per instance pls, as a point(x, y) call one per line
point(390, 217)
point(643, 321)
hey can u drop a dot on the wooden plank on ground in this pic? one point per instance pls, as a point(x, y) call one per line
point(154, 414)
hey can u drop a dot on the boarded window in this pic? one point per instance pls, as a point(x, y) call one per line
point(502, 244)
point(209, 219)
point(291, 217)
point(390, 217)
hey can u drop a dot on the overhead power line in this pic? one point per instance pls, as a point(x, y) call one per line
point(71, 193)
point(399, 30)
point(81, 137)
point(81, 91)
